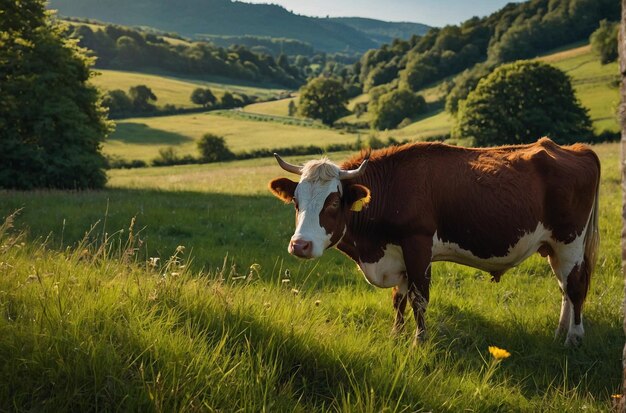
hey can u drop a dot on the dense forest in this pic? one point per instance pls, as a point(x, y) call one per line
point(194, 18)
point(517, 31)
point(119, 47)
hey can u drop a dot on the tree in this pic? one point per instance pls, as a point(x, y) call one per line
point(391, 108)
point(202, 96)
point(228, 100)
point(142, 98)
point(51, 122)
point(521, 102)
point(292, 109)
point(118, 102)
point(621, 407)
point(323, 99)
point(604, 41)
point(213, 148)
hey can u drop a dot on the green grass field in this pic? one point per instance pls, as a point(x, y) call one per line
point(591, 80)
point(593, 83)
point(142, 138)
point(232, 322)
point(273, 108)
point(177, 90)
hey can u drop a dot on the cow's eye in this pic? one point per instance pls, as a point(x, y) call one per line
point(334, 204)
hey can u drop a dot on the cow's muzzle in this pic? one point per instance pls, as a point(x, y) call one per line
point(301, 248)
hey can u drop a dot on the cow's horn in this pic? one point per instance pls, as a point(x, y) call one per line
point(287, 166)
point(355, 173)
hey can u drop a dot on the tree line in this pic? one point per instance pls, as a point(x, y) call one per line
point(118, 47)
point(517, 31)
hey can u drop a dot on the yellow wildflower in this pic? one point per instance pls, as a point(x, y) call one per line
point(498, 353)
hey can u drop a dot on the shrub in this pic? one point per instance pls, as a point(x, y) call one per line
point(521, 102)
point(203, 96)
point(323, 99)
point(51, 122)
point(395, 106)
point(604, 41)
point(213, 148)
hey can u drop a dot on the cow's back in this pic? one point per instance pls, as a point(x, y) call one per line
point(483, 200)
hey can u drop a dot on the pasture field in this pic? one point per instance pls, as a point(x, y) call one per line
point(595, 84)
point(142, 138)
point(231, 322)
point(592, 82)
point(273, 108)
point(177, 90)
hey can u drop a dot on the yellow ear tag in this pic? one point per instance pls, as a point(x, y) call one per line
point(358, 205)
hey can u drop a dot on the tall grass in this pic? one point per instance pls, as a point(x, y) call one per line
point(96, 328)
point(90, 320)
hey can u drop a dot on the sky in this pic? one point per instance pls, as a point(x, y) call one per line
point(430, 12)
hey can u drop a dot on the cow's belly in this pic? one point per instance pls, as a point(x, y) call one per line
point(388, 271)
point(525, 246)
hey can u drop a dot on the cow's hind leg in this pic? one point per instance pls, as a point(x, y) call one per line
point(573, 274)
point(399, 296)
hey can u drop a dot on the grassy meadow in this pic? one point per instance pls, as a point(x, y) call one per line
point(142, 138)
point(273, 108)
point(175, 90)
point(266, 124)
point(594, 85)
point(172, 290)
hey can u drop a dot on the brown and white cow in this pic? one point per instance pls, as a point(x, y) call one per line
point(401, 208)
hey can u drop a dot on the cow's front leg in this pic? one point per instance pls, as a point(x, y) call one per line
point(417, 253)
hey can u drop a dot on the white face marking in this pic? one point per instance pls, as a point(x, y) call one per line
point(311, 197)
point(387, 272)
point(527, 245)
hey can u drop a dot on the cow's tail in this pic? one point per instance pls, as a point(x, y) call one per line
point(592, 236)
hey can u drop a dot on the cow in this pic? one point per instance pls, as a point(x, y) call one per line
point(396, 210)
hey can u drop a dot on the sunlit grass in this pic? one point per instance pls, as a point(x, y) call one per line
point(95, 322)
point(142, 138)
point(174, 90)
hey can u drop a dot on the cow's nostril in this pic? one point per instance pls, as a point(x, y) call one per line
point(301, 248)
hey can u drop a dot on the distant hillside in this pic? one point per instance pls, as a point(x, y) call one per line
point(194, 18)
point(382, 31)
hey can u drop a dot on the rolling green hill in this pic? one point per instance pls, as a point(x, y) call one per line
point(176, 91)
point(230, 18)
point(382, 31)
point(595, 87)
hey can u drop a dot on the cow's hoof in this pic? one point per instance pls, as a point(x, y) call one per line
point(419, 338)
point(573, 340)
point(560, 332)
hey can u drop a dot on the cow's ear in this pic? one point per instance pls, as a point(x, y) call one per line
point(357, 196)
point(283, 188)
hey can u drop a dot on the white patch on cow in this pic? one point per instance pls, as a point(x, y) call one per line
point(388, 271)
point(527, 245)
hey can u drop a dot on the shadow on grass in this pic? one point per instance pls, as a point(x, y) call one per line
point(142, 134)
point(246, 229)
point(255, 229)
point(540, 361)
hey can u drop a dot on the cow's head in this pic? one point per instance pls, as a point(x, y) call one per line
point(324, 199)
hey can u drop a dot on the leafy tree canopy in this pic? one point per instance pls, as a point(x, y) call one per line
point(51, 121)
point(521, 102)
point(604, 41)
point(213, 148)
point(203, 96)
point(391, 108)
point(323, 99)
